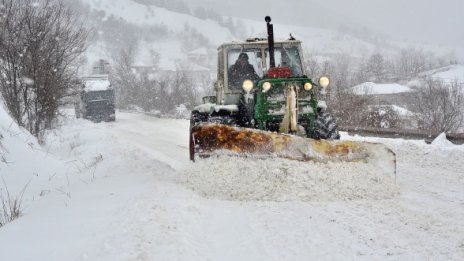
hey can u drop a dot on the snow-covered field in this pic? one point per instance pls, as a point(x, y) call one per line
point(126, 190)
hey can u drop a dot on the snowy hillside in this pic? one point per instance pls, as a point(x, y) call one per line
point(172, 53)
point(126, 190)
point(448, 74)
point(173, 49)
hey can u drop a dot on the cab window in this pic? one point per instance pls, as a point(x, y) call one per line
point(237, 72)
point(286, 57)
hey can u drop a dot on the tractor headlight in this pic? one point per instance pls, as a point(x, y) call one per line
point(308, 86)
point(247, 85)
point(266, 86)
point(324, 81)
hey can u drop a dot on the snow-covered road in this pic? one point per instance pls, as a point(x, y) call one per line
point(127, 191)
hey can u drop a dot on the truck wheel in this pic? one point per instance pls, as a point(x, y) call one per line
point(325, 127)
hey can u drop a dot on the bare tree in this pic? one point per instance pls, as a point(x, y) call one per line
point(147, 88)
point(351, 110)
point(410, 63)
point(340, 98)
point(438, 106)
point(11, 57)
point(382, 116)
point(163, 97)
point(205, 83)
point(40, 41)
point(124, 79)
point(183, 91)
point(343, 103)
point(376, 67)
point(312, 64)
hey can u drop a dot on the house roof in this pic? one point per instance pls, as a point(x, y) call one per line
point(370, 88)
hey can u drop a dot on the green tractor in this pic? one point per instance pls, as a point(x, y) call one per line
point(264, 109)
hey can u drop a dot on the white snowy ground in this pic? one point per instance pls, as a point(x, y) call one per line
point(126, 191)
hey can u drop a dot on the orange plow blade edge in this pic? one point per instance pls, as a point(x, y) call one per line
point(210, 139)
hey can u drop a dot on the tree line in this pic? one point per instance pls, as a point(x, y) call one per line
point(154, 90)
point(436, 105)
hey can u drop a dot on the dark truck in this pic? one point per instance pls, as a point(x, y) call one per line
point(96, 99)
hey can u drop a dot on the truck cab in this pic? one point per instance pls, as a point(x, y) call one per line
point(96, 99)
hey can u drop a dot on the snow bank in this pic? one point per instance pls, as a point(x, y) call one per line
point(243, 179)
point(441, 141)
point(24, 164)
point(51, 168)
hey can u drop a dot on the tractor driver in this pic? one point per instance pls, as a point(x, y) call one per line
point(241, 71)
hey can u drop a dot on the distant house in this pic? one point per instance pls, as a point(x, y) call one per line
point(144, 69)
point(390, 93)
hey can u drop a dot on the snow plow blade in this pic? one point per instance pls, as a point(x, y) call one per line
point(211, 139)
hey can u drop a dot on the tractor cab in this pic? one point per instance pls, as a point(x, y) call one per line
point(229, 86)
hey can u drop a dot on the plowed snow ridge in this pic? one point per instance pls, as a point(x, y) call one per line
point(232, 178)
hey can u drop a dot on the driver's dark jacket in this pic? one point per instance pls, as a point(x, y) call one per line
point(238, 74)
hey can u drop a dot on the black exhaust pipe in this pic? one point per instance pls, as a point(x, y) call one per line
point(270, 41)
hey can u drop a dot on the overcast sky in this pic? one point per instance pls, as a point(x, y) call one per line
point(431, 21)
point(439, 21)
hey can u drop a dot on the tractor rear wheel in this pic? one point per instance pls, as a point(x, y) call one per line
point(325, 127)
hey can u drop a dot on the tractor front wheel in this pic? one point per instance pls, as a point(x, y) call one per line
point(325, 127)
